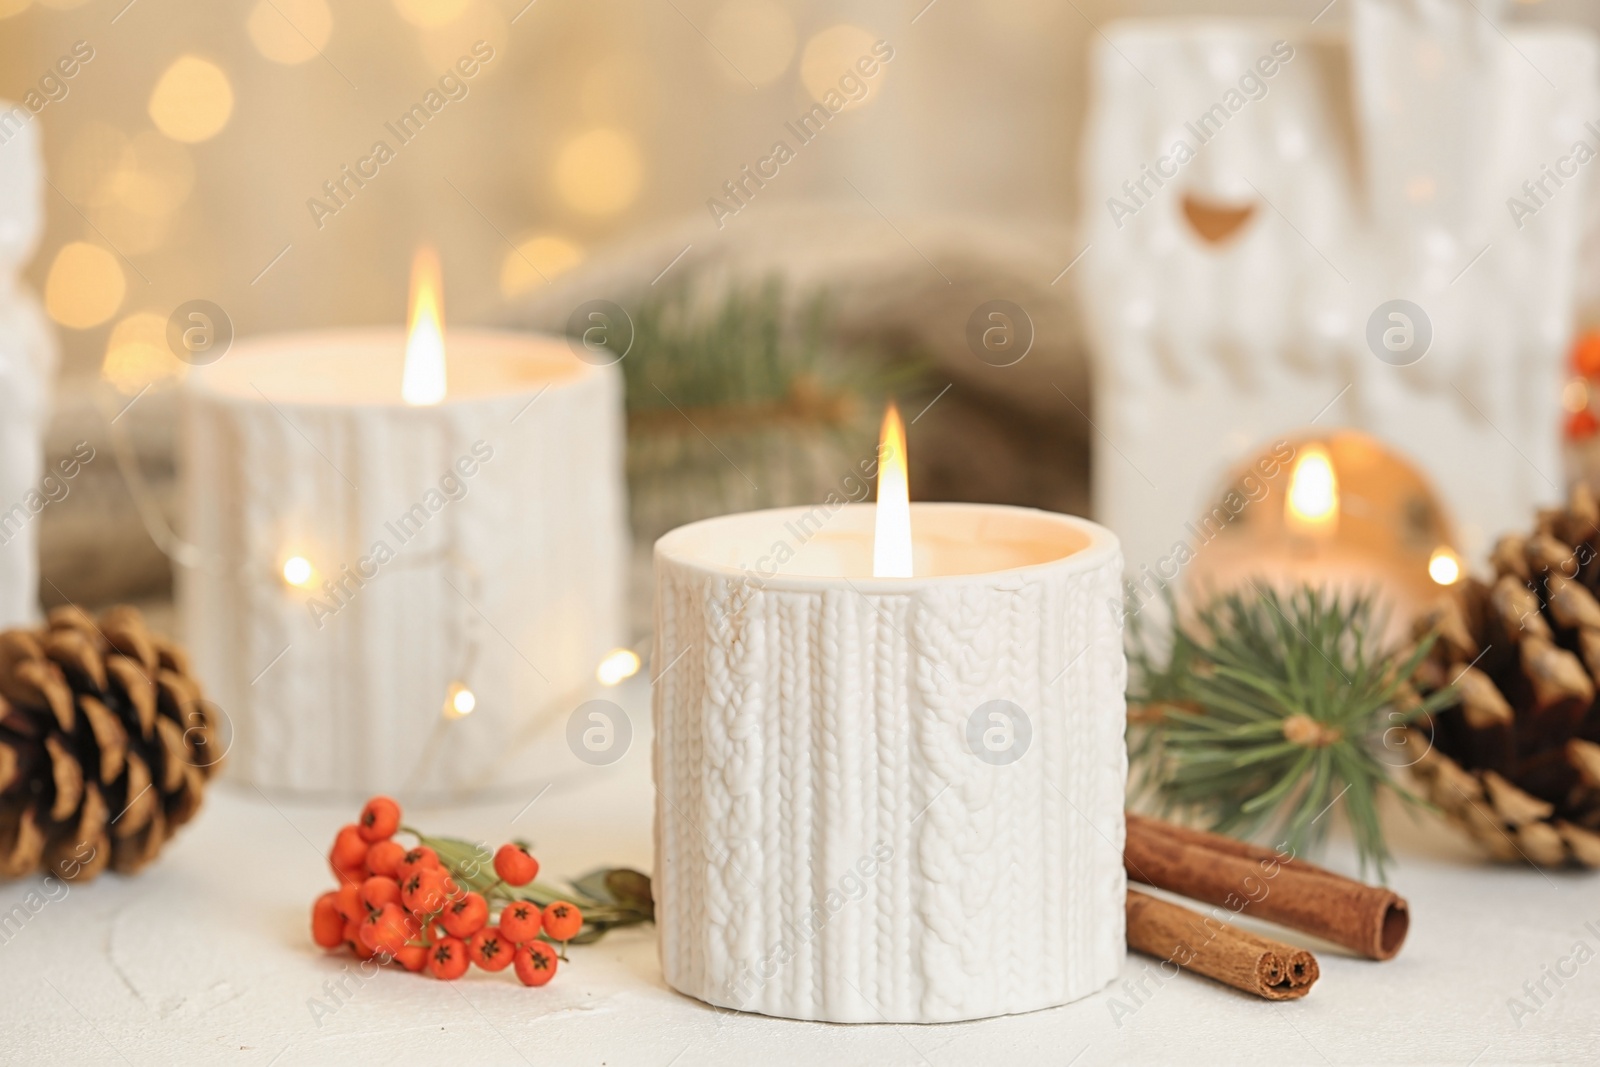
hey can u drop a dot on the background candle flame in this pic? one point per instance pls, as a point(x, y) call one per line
point(891, 538)
point(1313, 504)
point(424, 379)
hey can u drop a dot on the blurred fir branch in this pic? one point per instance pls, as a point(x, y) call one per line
point(745, 361)
point(1263, 711)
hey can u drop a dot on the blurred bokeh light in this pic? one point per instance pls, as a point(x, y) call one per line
point(535, 261)
point(290, 31)
point(756, 35)
point(832, 55)
point(137, 353)
point(192, 100)
point(85, 285)
point(599, 172)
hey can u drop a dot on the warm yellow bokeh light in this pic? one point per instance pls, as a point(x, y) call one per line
point(536, 261)
point(832, 54)
point(1444, 566)
point(459, 701)
point(130, 187)
point(85, 286)
point(133, 232)
point(430, 14)
point(289, 31)
point(298, 572)
point(756, 35)
point(137, 354)
point(153, 176)
point(62, 5)
point(192, 100)
point(13, 7)
point(599, 172)
point(619, 665)
point(95, 150)
point(481, 20)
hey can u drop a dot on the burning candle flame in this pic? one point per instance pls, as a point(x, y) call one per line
point(1313, 504)
point(891, 540)
point(424, 379)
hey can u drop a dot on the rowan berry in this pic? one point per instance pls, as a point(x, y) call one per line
point(327, 924)
point(426, 891)
point(447, 959)
point(515, 866)
point(465, 915)
point(421, 858)
point(562, 921)
point(519, 921)
point(378, 891)
point(412, 957)
point(352, 936)
point(1586, 354)
point(379, 819)
point(348, 856)
point(347, 900)
point(535, 963)
point(385, 930)
point(385, 858)
point(490, 949)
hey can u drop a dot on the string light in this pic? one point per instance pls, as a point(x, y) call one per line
point(298, 572)
point(1444, 567)
point(459, 701)
point(619, 665)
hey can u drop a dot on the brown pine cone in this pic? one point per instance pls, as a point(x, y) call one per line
point(1516, 760)
point(106, 744)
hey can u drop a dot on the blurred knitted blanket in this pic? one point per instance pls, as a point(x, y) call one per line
point(1013, 434)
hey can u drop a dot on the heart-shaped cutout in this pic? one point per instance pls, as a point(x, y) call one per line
point(1214, 221)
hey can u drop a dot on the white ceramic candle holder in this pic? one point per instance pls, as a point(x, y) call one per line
point(480, 540)
point(27, 366)
point(889, 799)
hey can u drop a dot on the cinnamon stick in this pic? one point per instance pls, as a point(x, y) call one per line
point(1217, 950)
point(1269, 885)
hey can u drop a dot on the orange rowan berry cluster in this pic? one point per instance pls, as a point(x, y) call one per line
point(404, 906)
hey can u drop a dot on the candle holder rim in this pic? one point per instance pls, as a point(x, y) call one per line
point(1103, 543)
point(215, 381)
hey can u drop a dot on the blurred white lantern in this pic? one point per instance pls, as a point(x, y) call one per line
point(27, 363)
point(1329, 253)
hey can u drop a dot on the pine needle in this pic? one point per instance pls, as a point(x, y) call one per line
point(1266, 711)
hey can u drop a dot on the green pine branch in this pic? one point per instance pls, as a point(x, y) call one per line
point(1263, 712)
point(751, 347)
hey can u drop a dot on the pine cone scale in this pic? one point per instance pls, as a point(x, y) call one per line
point(1515, 761)
point(106, 744)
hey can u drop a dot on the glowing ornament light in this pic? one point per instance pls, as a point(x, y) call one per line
point(298, 572)
point(459, 701)
point(619, 665)
point(1444, 566)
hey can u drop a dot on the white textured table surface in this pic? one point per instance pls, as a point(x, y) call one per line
point(206, 958)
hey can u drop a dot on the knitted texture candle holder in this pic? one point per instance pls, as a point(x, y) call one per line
point(889, 799)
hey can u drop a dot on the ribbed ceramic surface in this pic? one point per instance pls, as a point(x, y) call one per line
point(828, 844)
point(515, 587)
